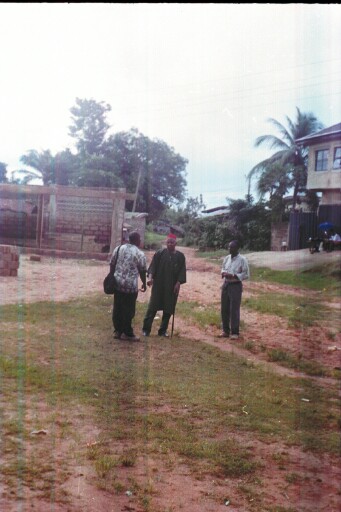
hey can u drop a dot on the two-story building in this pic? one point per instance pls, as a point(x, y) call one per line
point(324, 171)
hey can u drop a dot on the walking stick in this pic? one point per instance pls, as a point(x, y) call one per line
point(173, 316)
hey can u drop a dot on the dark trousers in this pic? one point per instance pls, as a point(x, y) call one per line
point(148, 321)
point(231, 297)
point(123, 312)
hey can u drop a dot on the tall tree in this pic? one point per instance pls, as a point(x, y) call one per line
point(89, 126)
point(150, 167)
point(289, 155)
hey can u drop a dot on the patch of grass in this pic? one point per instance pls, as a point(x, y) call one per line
point(324, 278)
point(300, 311)
point(202, 315)
point(293, 478)
point(290, 361)
point(153, 241)
point(213, 256)
point(177, 399)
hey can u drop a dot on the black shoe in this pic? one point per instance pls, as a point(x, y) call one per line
point(145, 333)
point(163, 334)
point(117, 335)
point(130, 338)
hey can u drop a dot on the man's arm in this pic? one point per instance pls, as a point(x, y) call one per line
point(143, 274)
point(245, 273)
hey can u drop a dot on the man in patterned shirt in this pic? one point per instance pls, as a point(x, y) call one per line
point(131, 263)
point(235, 269)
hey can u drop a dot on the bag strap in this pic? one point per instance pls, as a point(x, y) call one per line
point(115, 260)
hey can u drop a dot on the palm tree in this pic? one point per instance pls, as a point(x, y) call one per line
point(50, 169)
point(289, 155)
point(42, 163)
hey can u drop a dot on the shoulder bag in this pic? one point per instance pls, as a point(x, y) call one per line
point(109, 283)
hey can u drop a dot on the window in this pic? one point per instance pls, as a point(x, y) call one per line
point(337, 158)
point(321, 162)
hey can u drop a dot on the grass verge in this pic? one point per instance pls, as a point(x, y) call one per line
point(154, 399)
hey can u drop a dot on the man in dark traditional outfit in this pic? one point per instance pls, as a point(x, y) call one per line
point(166, 273)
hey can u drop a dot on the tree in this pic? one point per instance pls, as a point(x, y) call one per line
point(50, 169)
point(42, 163)
point(89, 126)
point(3, 173)
point(290, 156)
point(275, 181)
point(150, 167)
point(250, 223)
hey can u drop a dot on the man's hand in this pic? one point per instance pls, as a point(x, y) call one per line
point(176, 288)
point(143, 287)
point(227, 275)
point(150, 282)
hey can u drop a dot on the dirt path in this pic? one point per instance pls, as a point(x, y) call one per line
point(176, 491)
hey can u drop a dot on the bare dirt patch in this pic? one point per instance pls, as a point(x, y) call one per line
point(314, 484)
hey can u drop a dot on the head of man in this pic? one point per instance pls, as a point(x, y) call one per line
point(135, 238)
point(234, 247)
point(171, 242)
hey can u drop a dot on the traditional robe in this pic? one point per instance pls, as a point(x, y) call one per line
point(166, 269)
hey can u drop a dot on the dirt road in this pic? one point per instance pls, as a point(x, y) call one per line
point(61, 280)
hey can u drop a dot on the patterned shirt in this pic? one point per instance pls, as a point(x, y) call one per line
point(131, 261)
point(237, 265)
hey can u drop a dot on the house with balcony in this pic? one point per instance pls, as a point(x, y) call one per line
point(324, 171)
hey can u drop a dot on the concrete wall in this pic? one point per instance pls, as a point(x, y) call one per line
point(9, 261)
point(279, 234)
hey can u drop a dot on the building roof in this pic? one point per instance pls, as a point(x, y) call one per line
point(333, 132)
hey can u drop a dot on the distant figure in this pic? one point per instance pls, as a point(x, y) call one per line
point(235, 269)
point(335, 237)
point(333, 241)
point(166, 273)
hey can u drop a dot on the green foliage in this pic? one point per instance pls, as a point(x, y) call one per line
point(325, 278)
point(287, 167)
point(149, 165)
point(127, 160)
point(57, 169)
point(247, 222)
point(89, 126)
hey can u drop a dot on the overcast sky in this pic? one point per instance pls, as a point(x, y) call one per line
point(202, 77)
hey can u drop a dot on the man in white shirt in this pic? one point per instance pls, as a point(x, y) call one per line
point(235, 269)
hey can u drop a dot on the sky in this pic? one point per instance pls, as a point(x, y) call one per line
point(204, 78)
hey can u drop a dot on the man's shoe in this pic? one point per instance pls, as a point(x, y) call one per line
point(223, 334)
point(117, 335)
point(234, 336)
point(163, 334)
point(130, 338)
point(145, 333)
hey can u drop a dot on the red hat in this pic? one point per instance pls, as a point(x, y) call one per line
point(171, 235)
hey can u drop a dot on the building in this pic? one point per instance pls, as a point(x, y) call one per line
point(59, 219)
point(324, 171)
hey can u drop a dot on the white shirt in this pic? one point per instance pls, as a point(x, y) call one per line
point(236, 265)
